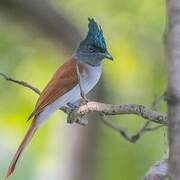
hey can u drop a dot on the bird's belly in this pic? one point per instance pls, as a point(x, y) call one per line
point(88, 81)
point(60, 102)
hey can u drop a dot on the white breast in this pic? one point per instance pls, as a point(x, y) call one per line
point(89, 79)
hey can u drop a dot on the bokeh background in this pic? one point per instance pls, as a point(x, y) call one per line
point(34, 42)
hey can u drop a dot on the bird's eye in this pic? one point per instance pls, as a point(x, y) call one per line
point(91, 48)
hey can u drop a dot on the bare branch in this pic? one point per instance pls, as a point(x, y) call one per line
point(123, 132)
point(146, 127)
point(123, 109)
point(157, 101)
point(78, 114)
point(22, 83)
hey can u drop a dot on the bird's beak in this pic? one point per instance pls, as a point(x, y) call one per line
point(108, 56)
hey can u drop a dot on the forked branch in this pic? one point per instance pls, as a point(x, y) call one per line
point(105, 110)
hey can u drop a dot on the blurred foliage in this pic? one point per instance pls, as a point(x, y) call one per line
point(134, 34)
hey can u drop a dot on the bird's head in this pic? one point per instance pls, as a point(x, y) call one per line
point(92, 50)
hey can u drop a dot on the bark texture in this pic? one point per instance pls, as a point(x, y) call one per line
point(173, 93)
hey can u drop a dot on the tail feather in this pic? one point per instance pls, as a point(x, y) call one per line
point(27, 138)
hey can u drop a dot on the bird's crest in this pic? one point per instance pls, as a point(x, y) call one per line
point(95, 34)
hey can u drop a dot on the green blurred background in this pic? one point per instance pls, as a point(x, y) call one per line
point(134, 35)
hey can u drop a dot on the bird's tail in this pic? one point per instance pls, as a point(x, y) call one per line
point(27, 138)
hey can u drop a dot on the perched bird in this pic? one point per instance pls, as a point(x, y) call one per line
point(63, 90)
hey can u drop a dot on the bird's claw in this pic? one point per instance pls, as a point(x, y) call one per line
point(73, 118)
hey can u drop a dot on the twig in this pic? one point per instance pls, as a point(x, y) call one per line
point(154, 128)
point(157, 101)
point(123, 132)
point(146, 127)
point(22, 83)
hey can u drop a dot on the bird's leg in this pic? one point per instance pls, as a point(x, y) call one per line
point(85, 99)
point(72, 107)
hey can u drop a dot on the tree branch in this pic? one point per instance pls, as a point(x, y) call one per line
point(22, 83)
point(123, 109)
point(158, 100)
point(123, 132)
point(78, 114)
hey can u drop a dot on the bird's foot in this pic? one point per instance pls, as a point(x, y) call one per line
point(71, 108)
point(73, 117)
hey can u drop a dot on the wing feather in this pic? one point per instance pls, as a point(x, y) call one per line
point(64, 79)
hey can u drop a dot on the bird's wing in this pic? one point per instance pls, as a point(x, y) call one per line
point(64, 79)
